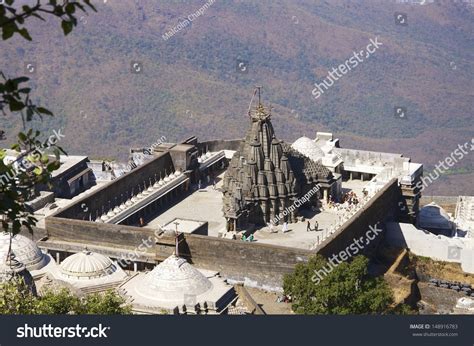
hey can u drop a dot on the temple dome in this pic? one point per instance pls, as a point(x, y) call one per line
point(432, 216)
point(173, 279)
point(87, 265)
point(9, 269)
point(308, 147)
point(26, 251)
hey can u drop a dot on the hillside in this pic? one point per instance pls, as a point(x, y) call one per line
point(190, 84)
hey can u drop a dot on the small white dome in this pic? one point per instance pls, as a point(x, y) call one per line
point(26, 251)
point(308, 147)
point(87, 265)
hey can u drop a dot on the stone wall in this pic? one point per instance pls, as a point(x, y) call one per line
point(381, 208)
point(254, 264)
point(107, 194)
point(100, 234)
point(438, 248)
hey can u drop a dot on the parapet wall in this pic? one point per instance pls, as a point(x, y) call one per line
point(254, 264)
point(106, 196)
point(379, 209)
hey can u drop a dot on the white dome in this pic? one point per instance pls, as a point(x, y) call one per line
point(171, 280)
point(26, 251)
point(307, 147)
point(9, 269)
point(87, 265)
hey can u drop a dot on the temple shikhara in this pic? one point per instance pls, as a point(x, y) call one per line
point(266, 176)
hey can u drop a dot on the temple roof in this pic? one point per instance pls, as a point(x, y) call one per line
point(173, 279)
point(25, 250)
point(308, 147)
point(87, 265)
point(265, 168)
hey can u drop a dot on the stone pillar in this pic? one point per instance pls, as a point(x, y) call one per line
point(58, 258)
point(350, 174)
point(135, 269)
point(325, 195)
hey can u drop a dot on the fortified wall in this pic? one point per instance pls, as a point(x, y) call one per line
point(379, 209)
point(255, 264)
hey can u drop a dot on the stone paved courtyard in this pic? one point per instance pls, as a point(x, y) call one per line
point(205, 204)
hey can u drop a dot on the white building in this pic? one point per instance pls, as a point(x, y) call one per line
point(175, 286)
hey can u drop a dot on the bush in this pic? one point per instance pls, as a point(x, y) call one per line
point(16, 298)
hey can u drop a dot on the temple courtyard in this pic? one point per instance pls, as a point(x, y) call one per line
point(205, 204)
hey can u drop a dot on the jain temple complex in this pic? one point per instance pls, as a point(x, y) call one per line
point(190, 227)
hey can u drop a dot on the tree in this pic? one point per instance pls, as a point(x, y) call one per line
point(346, 289)
point(108, 303)
point(16, 298)
point(33, 164)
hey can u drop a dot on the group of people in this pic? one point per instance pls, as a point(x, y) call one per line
point(249, 238)
point(309, 229)
point(273, 228)
point(351, 198)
